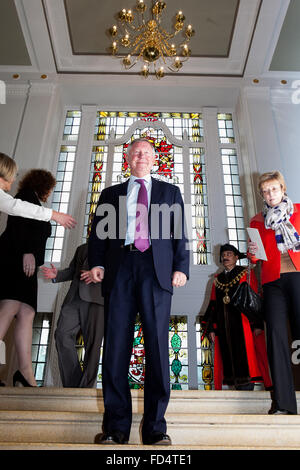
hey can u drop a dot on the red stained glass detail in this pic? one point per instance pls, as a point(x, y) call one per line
point(163, 157)
point(197, 173)
point(150, 117)
point(200, 241)
point(137, 361)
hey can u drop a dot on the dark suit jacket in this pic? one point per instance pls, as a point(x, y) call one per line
point(170, 250)
point(87, 292)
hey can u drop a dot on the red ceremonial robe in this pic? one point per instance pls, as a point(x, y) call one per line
point(255, 346)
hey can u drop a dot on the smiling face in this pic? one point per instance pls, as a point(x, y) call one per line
point(141, 158)
point(272, 192)
point(229, 259)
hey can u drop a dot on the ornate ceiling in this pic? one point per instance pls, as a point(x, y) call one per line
point(234, 38)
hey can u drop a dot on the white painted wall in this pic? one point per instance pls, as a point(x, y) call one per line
point(286, 115)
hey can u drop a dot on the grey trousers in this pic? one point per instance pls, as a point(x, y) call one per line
point(88, 318)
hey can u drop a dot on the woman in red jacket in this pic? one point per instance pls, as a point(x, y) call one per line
point(279, 228)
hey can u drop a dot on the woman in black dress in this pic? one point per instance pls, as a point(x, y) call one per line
point(22, 248)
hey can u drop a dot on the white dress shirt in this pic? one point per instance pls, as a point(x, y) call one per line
point(17, 207)
point(132, 195)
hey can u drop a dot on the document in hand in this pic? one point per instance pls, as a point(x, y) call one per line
point(255, 237)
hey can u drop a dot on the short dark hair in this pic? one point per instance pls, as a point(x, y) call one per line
point(40, 181)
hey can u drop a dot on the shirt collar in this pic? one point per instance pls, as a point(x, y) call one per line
point(147, 178)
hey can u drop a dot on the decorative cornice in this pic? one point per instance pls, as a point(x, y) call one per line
point(31, 89)
point(257, 92)
point(17, 89)
point(287, 96)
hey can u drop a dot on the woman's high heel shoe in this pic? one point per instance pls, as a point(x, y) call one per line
point(19, 380)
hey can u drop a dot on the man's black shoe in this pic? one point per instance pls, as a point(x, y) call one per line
point(279, 412)
point(111, 438)
point(158, 439)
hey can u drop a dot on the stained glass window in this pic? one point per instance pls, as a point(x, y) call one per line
point(233, 197)
point(169, 157)
point(168, 165)
point(62, 190)
point(225, 126)
point(180, 124)
point(95, 185)
point(178, 354)
point(72, 125)
point(136, 375)
point(234, 201)
point(204, 359)
point(40, 344)
point(201, 247)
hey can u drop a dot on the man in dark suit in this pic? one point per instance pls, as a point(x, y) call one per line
point(138, 250)
point(82, 311)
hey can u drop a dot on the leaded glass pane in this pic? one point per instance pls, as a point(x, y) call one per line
point(72, 125)
point(169, 159)
point(180, 124)
point(61, 193)
point(136, 375)
point(200, 226)
point(165, 166)
point(40, 344)
point(225, 127)
point(96, 184)
point(205, 361)
point(178, 355)
point(168, 165)
point(234, 204)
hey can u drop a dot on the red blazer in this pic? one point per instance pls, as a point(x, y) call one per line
point(271, 269)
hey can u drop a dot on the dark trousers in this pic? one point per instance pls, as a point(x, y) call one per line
point(249, 386)
point(136, 290)
point(282, 304)
point(88, 318)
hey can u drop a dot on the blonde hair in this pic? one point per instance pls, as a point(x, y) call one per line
point(8, 167)
point(269, 176)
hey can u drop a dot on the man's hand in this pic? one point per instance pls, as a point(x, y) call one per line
point(86, 276)
point(96, 274)
point(49, 273)
point(178, 279)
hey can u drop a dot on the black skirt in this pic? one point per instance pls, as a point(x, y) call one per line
point(14, 284)
point(22, 236)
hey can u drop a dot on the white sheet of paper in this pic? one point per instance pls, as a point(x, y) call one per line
point(255, 237)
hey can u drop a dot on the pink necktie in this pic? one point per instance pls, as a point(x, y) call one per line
point(141, 238)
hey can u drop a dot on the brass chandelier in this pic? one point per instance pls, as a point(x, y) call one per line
point(146, 42)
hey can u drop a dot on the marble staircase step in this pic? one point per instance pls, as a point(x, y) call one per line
point(90, 400)
point(185, 430)
point(52, 418)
